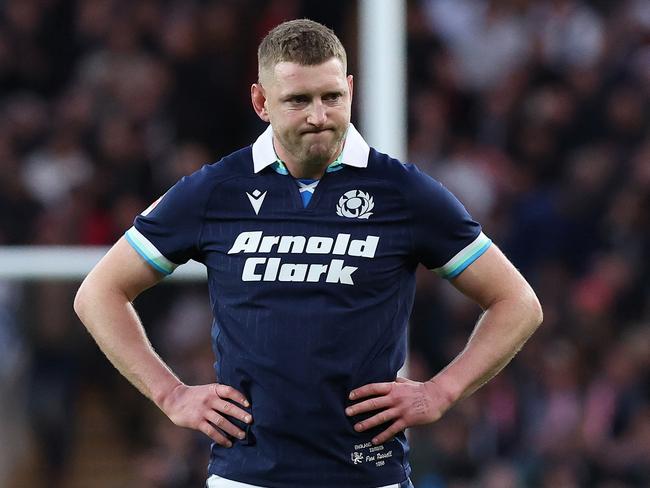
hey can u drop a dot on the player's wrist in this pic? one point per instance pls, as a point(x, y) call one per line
point(164, 398)
point(446, 388)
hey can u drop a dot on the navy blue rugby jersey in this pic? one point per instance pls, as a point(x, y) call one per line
point(309, 302)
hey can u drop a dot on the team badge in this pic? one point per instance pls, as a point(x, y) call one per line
point(355, 204)
point(357, 457)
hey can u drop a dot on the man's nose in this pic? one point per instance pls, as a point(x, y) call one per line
point(317, 114)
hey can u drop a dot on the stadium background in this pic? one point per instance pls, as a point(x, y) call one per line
point(534, 112)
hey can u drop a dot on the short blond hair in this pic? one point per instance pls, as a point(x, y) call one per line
point(300, 41)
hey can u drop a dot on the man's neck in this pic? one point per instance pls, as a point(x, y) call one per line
point(308, 170)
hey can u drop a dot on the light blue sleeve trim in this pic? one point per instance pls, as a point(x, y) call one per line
point(464, 258)
point(149, 252)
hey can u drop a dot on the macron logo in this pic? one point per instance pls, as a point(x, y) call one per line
point(256, 199)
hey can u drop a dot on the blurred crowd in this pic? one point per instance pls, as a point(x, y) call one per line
point(535, 113)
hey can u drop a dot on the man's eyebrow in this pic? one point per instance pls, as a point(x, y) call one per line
point(308, 95)
point(290, 95)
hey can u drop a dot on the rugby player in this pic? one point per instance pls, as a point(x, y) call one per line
point(311, 240)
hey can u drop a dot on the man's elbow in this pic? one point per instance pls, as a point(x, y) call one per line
point(86, 296)
point(535, 312)
point(81, 301)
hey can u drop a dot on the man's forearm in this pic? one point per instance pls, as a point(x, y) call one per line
point(111, 319)
point(103, 304)
point(499, 334)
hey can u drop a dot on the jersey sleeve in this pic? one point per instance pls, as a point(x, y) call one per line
point(167, 233)
point(446, 238)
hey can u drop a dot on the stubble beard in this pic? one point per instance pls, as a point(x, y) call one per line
point(317, 155)
point(321, 153)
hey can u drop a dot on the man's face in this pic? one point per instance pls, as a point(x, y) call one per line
point(309, 110)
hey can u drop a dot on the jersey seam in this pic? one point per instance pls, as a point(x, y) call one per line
point(207, 202)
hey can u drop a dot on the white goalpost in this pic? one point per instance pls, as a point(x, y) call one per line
point(382, 62)
point(68, 263)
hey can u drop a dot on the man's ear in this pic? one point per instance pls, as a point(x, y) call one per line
point(258, 98)
point(350, 85)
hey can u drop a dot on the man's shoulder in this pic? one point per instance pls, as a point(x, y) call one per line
point(386, 167)
point(199, 185)
point(418, 190)
point(238, 163)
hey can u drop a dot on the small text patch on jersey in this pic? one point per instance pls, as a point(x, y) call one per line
point(276, 269)
point(355, 204)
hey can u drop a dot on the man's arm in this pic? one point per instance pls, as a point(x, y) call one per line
point(103, 303)
point(511, 314)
